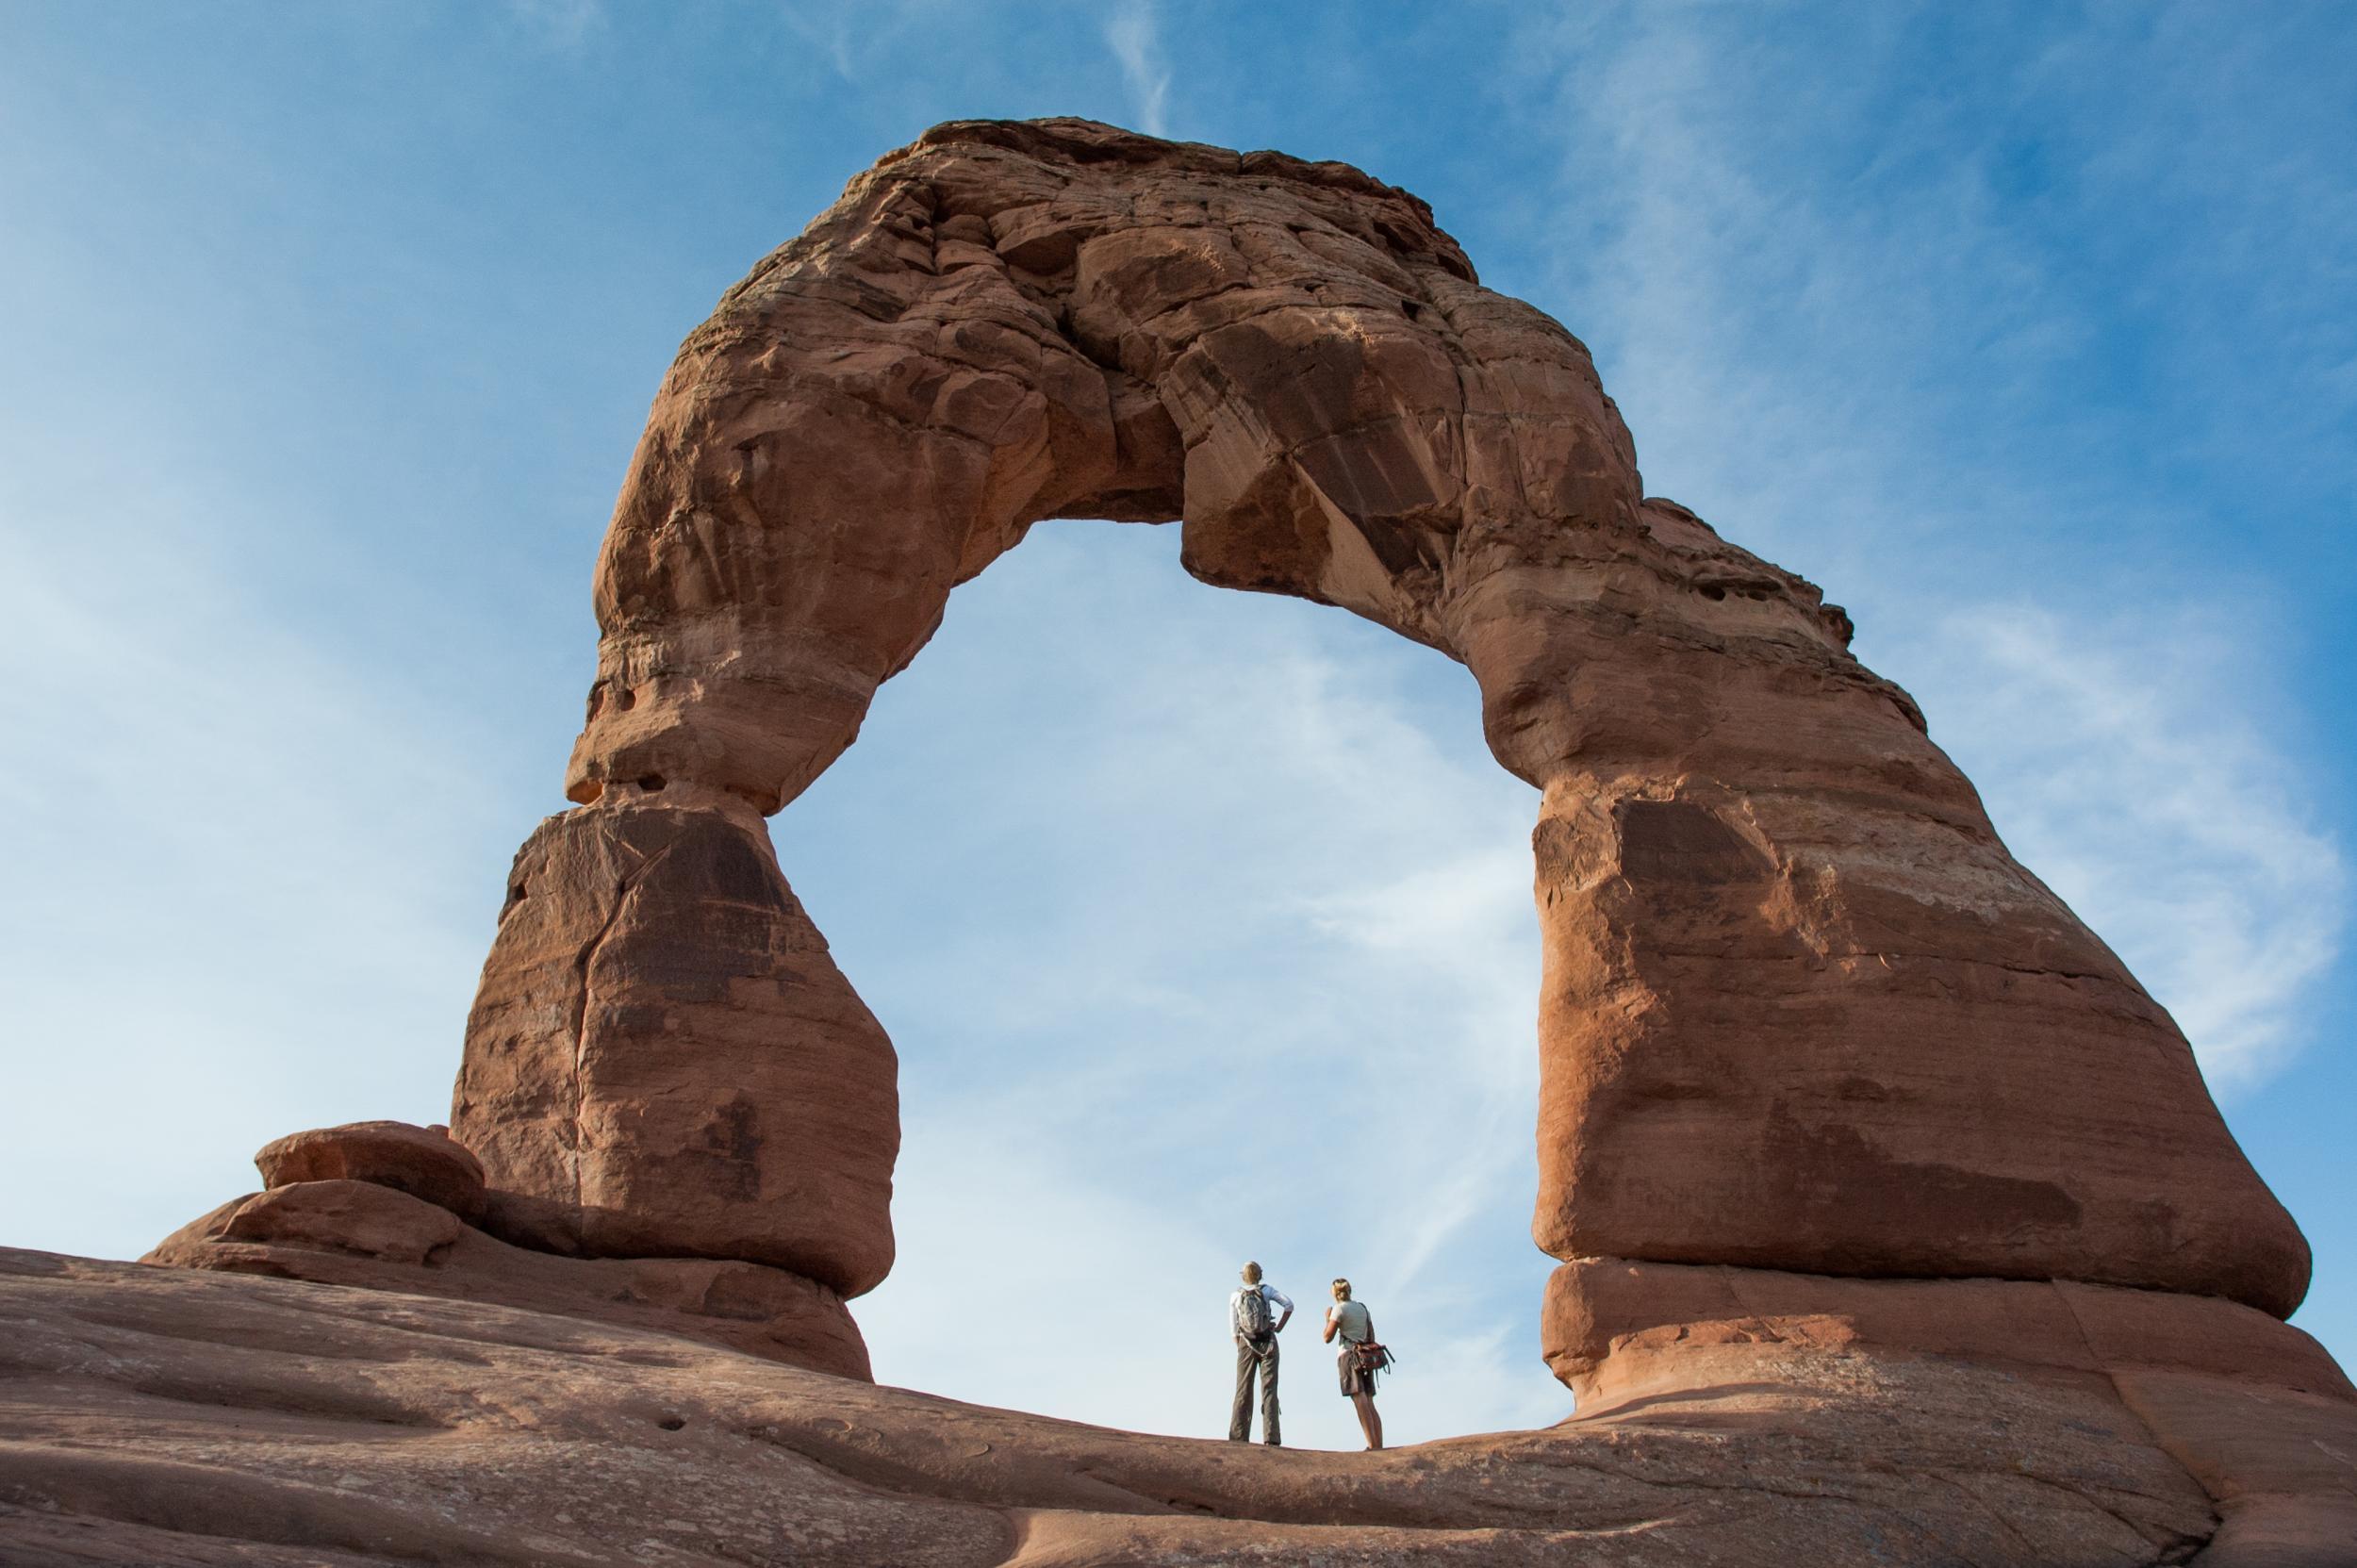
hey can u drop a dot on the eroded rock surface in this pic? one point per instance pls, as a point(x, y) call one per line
point(158, 1416)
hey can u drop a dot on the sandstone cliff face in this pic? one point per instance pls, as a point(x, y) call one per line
point(1802, 1010)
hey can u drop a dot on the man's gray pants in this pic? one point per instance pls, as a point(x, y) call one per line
point(1240, 1414)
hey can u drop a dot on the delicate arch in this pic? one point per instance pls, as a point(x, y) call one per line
point(1800, 1009)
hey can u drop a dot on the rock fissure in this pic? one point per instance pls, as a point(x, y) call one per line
point(584, 998)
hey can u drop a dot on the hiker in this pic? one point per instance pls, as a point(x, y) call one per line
point(1248, 1319)
point(1351, 1322)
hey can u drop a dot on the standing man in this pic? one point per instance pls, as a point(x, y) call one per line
point(1250, 1313)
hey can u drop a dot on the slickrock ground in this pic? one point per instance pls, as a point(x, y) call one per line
point(160, 1416)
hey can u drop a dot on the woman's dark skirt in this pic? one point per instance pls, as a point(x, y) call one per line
point(1354, 1381)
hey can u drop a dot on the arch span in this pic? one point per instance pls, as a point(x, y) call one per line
point(1801, 1011)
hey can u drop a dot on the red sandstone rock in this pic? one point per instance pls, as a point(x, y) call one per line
point(663, 1059)
point(422, 1162)
point(356, 1233)
point(1801, 1007)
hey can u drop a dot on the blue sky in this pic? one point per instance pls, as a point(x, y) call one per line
point(1200, 919)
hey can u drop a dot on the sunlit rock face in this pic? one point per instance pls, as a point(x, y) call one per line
point(1802, 1010)
point(1897, 1223)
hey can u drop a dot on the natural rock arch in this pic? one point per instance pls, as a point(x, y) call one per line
point(1801, 1011)
point(1814, 1047)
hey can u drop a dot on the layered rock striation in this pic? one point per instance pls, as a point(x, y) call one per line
point(386, 1206)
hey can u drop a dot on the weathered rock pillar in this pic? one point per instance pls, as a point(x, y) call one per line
point(663, 1059)
point(1801, 1007)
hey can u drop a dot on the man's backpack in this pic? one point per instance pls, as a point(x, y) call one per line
point(1252, 1319)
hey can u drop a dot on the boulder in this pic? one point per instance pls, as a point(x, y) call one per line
point(423, 1161)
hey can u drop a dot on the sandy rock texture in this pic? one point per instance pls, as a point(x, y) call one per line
point(1615, 1330)
point(160, 1416)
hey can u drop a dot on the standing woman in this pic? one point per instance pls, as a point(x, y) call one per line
point(1354, 1325)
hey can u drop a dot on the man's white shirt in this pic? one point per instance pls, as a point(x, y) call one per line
point(1281, 1304)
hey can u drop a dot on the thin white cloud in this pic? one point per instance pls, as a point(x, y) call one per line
point(2123, 762)
point(1134, 33)
point(563, 26)
point(876, 43)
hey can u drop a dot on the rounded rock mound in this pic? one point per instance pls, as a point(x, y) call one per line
point(423, 1161)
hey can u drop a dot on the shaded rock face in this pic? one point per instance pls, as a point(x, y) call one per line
point(662, 1061)
point(391, 1207)
point(1800, 1010)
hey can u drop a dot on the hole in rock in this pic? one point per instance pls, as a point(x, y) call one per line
point(1201, 923)
point(672, 1422)
point(650, 783)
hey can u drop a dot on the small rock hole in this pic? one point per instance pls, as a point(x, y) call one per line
point(1413, 310)
point(1707, 593)
point(625, 699)
point(650, 783)
point(672, 1423)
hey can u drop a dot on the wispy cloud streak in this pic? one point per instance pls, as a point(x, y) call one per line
point(1134, 33)
point(1856, 334)
point(2119, 761)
